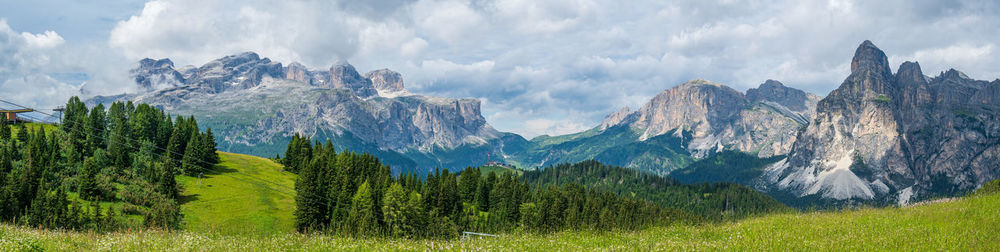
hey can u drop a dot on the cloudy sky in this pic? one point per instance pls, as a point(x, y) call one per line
point(540, 67)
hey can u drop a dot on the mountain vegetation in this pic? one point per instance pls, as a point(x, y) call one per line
point(355, 195)
point(968, 224)
point(100, 170)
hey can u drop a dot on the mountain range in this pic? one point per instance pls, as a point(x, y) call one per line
point(879, 137)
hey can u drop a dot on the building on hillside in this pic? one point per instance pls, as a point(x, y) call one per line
point(11, 115)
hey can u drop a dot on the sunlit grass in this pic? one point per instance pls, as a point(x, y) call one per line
point(970, 224)
point(243, 195)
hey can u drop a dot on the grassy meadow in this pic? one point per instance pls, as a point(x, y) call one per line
point(966, 224)
point(243, 195)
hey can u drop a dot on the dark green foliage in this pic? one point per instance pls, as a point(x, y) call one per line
point(716, 201)
point(725, 166)
point(353, 194)
point(115, 157)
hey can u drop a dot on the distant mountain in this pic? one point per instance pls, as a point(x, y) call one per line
point(893, 137)
point(684, 123)
point(254, 105)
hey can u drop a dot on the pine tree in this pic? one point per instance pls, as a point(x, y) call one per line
point(177, 143)
point(468, 182)
point(166, 183)
point(483, 196)
point(119, 144)
point(74, 125)
point(210, 148)
point(394, 210)
point(97, 122)
point(309, 207)
point(191, 163)
point(87, 178)
point(362, 215)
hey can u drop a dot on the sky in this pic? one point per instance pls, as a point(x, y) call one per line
point(540, 67)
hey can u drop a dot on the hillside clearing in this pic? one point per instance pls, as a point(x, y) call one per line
point(242, 195)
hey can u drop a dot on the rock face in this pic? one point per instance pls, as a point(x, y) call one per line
point(251, 102)
point(886, 137)
point(343, 75)
point(386, 81)
point(156, 74)
point(719, 117)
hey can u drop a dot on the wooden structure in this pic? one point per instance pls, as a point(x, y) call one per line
point(11, 114)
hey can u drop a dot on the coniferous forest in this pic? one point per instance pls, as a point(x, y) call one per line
point(100, 169)
point(354, 194)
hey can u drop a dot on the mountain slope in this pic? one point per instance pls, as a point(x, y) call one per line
point(889, 137)
point(684, 123)
point(255, 105)
point(242, 195)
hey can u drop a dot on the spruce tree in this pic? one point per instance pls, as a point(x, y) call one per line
point(362, 215)
point(87, 178)
point(394, 209)
point(191, 162)
point(208, 143)
point(97, 122)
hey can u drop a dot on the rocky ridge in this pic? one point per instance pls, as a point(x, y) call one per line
point(251, 101)
point(889, 137)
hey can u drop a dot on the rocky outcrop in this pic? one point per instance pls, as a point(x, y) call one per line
point(251, 101)
point(240, 71)
point(775, 91)
point(386, 81)
point(152, 75)
point(298, 72)
point(343, 75)
point(719, 117)
point(886, 137)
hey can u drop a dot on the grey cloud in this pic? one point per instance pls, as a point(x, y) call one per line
point(550, 67)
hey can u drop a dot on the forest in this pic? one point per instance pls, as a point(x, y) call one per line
point(355, 195)
point(100, 169)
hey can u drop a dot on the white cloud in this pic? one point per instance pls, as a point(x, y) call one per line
point(449, 21)
point(539, 61)
point(48, 39)
point(23, 64)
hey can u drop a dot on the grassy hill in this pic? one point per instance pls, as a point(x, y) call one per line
point(966, 224)
point(243, 195)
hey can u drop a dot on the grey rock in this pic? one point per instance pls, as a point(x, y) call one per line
point(386, 81)
point(886, 137)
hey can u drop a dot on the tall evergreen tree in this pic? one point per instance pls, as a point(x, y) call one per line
point(362, 215)
point(97, 122)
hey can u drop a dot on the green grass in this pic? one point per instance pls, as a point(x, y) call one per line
point(228, 201)
point(485, 170)
point(34, 127)
point(967, 224)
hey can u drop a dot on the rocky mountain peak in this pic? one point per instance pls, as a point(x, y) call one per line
point(151, 63)
point(343, 75)
point(869, 58)
point(775, 91)
point(909, 72)
point(385, 80)
point(953, 75)
point(297, 72)
point(156, 74)
point(622, 116)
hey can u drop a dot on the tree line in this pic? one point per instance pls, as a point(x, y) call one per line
point(100, 169)
point(702, 201)
point(354, 194)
